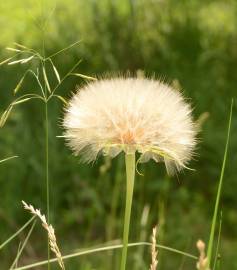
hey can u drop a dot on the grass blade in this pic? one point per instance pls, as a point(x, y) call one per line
point(214, 219)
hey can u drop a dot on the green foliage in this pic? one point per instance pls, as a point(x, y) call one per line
point(192, 44)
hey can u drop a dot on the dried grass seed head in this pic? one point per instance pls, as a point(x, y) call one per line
point(131, 114)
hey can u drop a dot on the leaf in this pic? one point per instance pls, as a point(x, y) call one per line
point(62, 99)
point(5, 115)
point(46, 80)
point(18, 85)
point(84, 76)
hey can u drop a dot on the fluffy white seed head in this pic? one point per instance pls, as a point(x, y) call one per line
point(130, 114)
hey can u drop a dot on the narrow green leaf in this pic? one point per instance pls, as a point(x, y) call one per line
point(213, 225)
point(84, 76)
point(46, 80)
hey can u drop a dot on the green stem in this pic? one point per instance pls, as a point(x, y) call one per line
point(214, 219)
point(14, 264)
point(130, 173)
point(47, 171)
point(16, 233)
point(100, 249)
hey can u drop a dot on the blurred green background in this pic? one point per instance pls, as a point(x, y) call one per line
point(191, 44)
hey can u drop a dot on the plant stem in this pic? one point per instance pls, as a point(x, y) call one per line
point(47, 171)
point(16, 233)
point(100, 249)
point(14, 264)
point(214, 219)
point(130, 174)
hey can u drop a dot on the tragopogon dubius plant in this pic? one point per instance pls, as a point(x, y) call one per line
point(131, 115)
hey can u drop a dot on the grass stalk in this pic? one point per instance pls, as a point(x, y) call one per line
point(130, 175)
point(46, 127)
point(47, 172)
point(214, 219)
point(16, 233)
point(100, 249)
point(23, 246)
point(218, 244)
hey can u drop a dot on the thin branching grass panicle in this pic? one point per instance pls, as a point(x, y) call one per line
point(154, 251)
point(131, 114)
point(51, 234)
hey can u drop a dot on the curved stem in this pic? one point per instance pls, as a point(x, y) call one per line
point(130, 174)
point(100, 249)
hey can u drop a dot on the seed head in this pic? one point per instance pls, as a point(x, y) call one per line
point(130, 114)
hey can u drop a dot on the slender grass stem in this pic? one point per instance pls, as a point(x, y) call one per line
point(16, 233)
point(218, 243)
point(214, 219)
point(130, 174)
point(23, 246)
point(99, 249)
point(46, 126)
point(47, 171)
